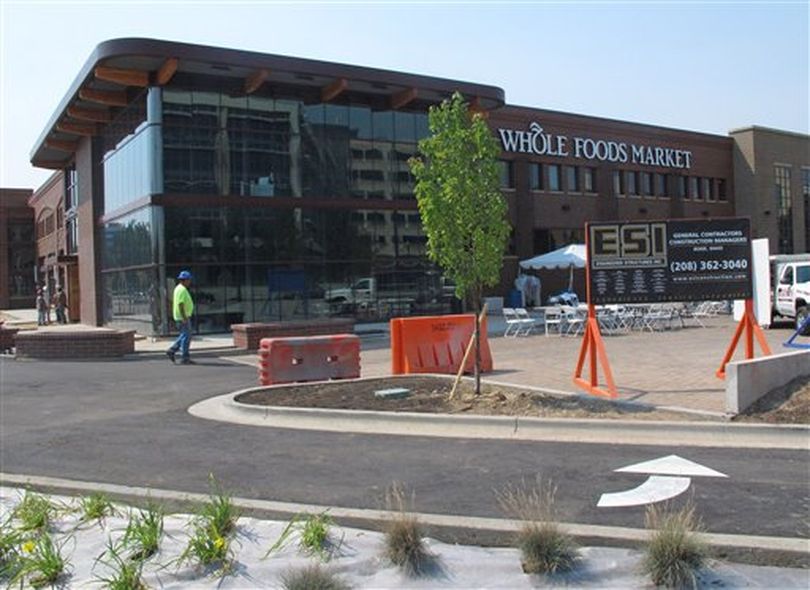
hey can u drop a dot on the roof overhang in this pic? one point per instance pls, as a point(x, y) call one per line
point(118, 69)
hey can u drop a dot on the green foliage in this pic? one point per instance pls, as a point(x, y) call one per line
point(10, 541)
point(210, 542)
point(125, 574)
point(312, 577)
point(143, 533)
point(543, 546)
point(313, 535)
point(34, 512)
point(219, 511)
point(404, 545)
point(40, 562)
point(674, 553)
point(459, 197)
point(96, 506)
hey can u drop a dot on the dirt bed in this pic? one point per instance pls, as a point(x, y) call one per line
point(430, 395)
point(786, 405)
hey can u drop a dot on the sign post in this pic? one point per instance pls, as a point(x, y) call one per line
point(664, 261)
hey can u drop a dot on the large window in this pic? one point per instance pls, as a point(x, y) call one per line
point(282, 147)
point(647, 183)
point(507, 174)
point(554, 180)
point(784, 207)
point(535, 176)
point(589, 179)
point(572, 179)
point(632, 183)
point(618, 183)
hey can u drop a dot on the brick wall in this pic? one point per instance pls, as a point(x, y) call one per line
point(75, 345)
point(248, 336)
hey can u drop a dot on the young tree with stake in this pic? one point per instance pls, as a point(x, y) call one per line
point(460, 202)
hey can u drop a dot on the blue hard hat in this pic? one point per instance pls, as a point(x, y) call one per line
point(184, 274)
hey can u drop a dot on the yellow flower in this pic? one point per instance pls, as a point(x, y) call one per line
point(219, 543)
point(28, 547)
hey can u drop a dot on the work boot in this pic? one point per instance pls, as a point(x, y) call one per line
point(170, 354)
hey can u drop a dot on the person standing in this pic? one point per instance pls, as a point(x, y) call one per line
point(42, 307)
point(60, 301)
point(182, 309)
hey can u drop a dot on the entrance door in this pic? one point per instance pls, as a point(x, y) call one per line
point(73, 295)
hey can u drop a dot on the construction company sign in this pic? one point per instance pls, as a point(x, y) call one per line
point(536, 141)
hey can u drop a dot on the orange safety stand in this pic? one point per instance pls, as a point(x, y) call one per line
point(751, 327)
point(592, 343)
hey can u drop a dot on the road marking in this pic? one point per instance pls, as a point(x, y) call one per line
point(672, 465)
point(657, 488)
point(667, 481)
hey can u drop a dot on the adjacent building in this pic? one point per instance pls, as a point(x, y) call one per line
point(17, 250)
point(283, 182)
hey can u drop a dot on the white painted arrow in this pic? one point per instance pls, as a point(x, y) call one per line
point(666, 482)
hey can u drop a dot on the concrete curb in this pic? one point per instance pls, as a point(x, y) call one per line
point(596, 534)
point(224, 408)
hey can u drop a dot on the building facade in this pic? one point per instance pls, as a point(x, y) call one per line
point(17, 250)
point(772, 170)
point(283, 184)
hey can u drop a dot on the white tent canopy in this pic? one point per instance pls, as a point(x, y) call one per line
point(570, 256)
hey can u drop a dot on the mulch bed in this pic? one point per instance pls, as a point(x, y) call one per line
point(431, 395)
point(787, 405)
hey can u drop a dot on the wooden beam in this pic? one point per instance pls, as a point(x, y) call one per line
point(86, 129)
point(334, 89)
point(113, 98)
point(166, 71)
point(400, 99)
point(123, 76)
point(64, 146)
point(95, 115)
point(255, 80)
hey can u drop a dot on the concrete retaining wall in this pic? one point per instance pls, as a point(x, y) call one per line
point(747, 381)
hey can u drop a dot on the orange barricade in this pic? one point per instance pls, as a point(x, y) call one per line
point(436, 344)
point(313, 358)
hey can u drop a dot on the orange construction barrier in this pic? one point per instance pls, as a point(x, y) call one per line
point(436, 344)
point(313, 358)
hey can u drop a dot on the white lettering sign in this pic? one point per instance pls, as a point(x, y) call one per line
point(537, 141)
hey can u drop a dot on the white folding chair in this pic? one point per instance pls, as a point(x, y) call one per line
point(573, 320)
point(513, 322)
point(552, 318)
point(527, 321)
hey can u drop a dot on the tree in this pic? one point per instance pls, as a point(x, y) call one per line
point(460, 202)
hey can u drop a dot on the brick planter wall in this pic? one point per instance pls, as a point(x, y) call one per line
point(248, 336)
point(7, 338)
point(89, 344)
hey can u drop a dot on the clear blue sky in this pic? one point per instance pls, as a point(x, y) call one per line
point(705, 66)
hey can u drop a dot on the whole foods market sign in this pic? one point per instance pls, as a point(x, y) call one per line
point(537, 141)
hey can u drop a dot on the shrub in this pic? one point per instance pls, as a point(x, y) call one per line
point(544, 547)
point(404, 545)
point(40, 562)
point(312, 577)
point(143, 533)
point(674, 553)
point(34, 512)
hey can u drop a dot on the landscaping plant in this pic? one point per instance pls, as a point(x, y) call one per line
point(312, 577)
point(674, 554)
point(210, 542)
point(219, 510)
point(10, 541)
point(40, 562)
point(143, 533)
point(404, 545)
point(544, 547)
point(124, 574)
point(34, 512)
point(313, 535)
point(96, 506)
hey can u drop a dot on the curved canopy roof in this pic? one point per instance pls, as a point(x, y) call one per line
point(118, 69)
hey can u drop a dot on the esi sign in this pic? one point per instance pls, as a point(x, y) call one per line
point(536, 141)
point(673, 260)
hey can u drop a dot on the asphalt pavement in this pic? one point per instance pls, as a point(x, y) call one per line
point(126, 422)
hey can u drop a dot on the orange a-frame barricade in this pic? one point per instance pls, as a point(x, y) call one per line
point(750, 326)
point(593, 347)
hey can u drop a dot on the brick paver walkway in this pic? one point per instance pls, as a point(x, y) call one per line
point(671, 368)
